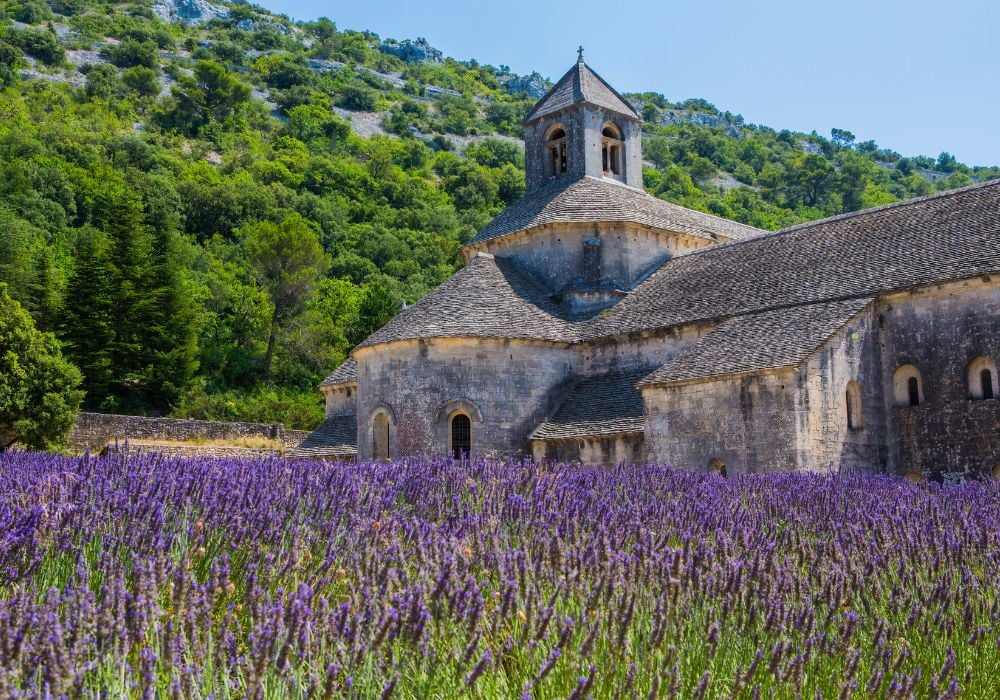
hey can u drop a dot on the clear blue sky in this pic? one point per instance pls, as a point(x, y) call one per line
point(918, 76)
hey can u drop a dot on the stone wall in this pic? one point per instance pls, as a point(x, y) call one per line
point(583, 125)
point(554, 255)
point(749, 422)
point(626, 449)
point(95, 430)
point(651, 350)
point(341, 400)
point(826, 440)
point(957, 438)
point(507, 387)
point(941, 331)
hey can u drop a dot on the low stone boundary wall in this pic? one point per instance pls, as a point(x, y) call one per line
point(93, 431)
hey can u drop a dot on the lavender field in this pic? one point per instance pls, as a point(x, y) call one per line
point(146, 576)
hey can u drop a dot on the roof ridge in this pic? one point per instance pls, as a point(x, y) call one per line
point(902, 204)
point(610, 87)
point(829, 329)
point(574, 77)
point(559, 200)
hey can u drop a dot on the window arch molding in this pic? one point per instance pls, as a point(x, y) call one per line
point(556, 156)
point(381, 427)
point(466, 433)
point(447, 410)
point(904, 392)
point(981, 379)
point(612, 150)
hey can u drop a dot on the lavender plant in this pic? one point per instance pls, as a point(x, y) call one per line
point(139, 575)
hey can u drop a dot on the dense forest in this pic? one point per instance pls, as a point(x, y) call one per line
point(209, 213)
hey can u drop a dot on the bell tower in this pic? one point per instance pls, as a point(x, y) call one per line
point(582, 127)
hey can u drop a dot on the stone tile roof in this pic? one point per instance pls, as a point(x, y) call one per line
point(489, 297)
point(347, 373)
point(597, 406)
point(335, 438)
point(767, 340)
point(581, 84)
point(953, 235)
point(590, 199)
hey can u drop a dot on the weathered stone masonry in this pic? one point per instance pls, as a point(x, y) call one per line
point(594, 322)
point(93, 431)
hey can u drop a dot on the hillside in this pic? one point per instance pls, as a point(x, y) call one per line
point(209, 204)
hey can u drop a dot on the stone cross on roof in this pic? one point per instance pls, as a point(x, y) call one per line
point(579, 55)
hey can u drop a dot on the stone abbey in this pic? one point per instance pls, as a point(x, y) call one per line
point(594, 322)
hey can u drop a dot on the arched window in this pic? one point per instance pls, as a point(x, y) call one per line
point(461, 435)
point(854, 416)
point(380, 436)
point(981, 377)
point(717, 466)
point(612, 150)
point(907, 386)
point(555, 146)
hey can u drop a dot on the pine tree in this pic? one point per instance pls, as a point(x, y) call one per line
point(287, 260)
point(87, 327)
point(43, 295)
point(120, 213)
point(171, 331)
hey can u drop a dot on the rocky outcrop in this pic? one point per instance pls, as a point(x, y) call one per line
point(418, 51)
point(189, 11)
point(436, 91)
point(533, 86)
point(672, 116)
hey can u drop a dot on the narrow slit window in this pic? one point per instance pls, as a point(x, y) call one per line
point(981, 379)
point(907, 386)
point(986, 381)
point(461, 436)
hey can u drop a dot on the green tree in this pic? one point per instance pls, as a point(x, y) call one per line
point(172, 330)
point(312, 123)
point(131, 53)
point(212, 94)
point(87, 325)
point(810, 178)
point(377, 308)
point(359, 97)
point(287, 260)
point(842, 138)
point(102, 81)
point(40, 44)
point(9, 58)
point(39, 395)
point(856, 173)
point(141, 80)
